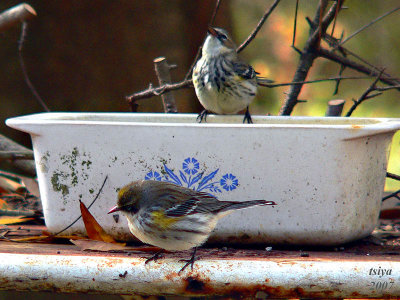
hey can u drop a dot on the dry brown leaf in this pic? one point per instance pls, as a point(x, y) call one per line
point(93, 228)
point(3, 204)
point(93, 245)
point(8, 184)
point(14, 220)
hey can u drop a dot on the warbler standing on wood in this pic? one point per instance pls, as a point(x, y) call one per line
point(224, 83)
point(172, 217)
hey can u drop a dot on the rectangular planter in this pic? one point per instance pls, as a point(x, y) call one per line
point(326, 174)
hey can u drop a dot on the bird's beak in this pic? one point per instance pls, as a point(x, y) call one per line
point(114, 209)
point(270, 203)
point(212, 31)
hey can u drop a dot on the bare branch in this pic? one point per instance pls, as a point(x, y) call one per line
point(150, 92)
point(386, 88)
point(335, 108)
point(187, 82)
point(196, 58)
point(295, 24)
point(273, 85)
point(162, 70)
point(331, 55)
point(308, 55)
point(368, 25)
point(393, 176)
point(15, 15)
point(14, 155)
point(211, 23)
point(342, 68)
point(23, 67)
point(26, 166)
point(365, 95)
point(394, 195)
point(258, 27)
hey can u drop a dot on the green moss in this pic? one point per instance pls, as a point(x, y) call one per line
point(57, 186)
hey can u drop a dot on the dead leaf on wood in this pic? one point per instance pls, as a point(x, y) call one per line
point(3, 204)
point(8, 184)
point(93, 228)
point(93, 245)
point(14, 220)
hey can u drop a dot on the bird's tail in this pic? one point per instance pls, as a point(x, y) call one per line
point(264, 81)
point(245, 204)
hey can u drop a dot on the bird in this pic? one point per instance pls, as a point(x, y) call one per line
point(224, 84)
point(172, 217)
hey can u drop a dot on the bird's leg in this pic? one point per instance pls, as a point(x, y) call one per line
point(189, 261)
point(247, 117)
point(156, 256)
point(202, 116)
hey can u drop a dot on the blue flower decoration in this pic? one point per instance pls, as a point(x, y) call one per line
point(192, 177)
point(229, 182)
point(190, 166)
point(153, 175)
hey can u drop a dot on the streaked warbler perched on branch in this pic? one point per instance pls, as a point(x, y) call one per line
point(223, 82)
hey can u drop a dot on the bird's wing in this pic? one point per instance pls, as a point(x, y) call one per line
point(244, 70)
point(202, 203)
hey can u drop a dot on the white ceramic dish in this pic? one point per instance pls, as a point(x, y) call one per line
point(326, 174)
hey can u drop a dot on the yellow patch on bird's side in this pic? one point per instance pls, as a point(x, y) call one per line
point(162, 220)
point(238, 78)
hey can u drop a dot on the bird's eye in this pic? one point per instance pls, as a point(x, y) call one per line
point(222, 37)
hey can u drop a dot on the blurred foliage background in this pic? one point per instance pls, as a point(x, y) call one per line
point(88, 55)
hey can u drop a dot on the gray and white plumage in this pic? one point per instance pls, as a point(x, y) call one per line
point(224, 84)
point(172, 217)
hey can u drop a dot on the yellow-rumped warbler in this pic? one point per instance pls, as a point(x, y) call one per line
point(224, 83)
point(173, 217)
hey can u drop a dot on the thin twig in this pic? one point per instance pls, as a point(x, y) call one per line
point(295, 24)
point(331, 55)
point(392, 176)
point(308, 55)
point(395, 195)
point(335, 43)
point(368, 25)
point(197, 56)
point(365, 95)
point(90, 205)
point(336, 90)
point(150, 92)
point(211, 23)
point(14, 155)
point(334, 19)
point(23, 67)
point(386, 88)
point(273, 85)
point(258, 27)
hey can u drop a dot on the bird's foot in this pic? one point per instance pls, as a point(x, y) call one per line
point(189, 262)
point(202, 116)
point(156, 256)
point(247, 117)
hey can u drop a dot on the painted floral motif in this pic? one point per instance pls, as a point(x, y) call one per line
point(153, 175)
point(190, 166)
point(192, 177)
point(229, 182)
